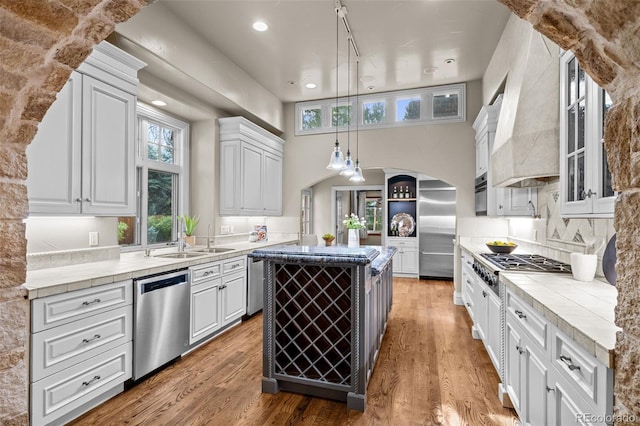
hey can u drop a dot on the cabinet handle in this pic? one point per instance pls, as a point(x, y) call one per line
point(95, 378)
point(484, 293)
point(550, 389)
point(222, 287)
point(95, 337)
point(569, 363)
point(235, 265)
point(520, 350)
point(85, 303)
point(469, 304)
point(520, 314)
point(88, 200)
point(500, 206)
point(78, 200)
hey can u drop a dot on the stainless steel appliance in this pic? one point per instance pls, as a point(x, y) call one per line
point(514, 263)
point(436, 225)
point(161, 325)
point(255, 286)
point(481, 195)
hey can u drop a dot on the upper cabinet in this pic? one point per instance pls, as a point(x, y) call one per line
point(250, 169)
point(585, 180)
point(81, 161)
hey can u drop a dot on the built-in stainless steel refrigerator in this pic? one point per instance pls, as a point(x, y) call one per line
point(436, 224)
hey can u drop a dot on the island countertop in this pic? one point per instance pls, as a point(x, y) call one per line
point(377, 256)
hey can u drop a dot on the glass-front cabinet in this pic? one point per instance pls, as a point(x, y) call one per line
point(585, 178)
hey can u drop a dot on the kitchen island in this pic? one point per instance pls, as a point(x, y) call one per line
point(325, 313)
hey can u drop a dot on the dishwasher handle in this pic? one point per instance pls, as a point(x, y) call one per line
point(150, 284)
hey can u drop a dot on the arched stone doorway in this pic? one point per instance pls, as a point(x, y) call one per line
point(42, 41)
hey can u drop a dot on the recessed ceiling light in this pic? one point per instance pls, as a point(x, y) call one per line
point(260, 26)
point(158, 102)
point(449, 61)
point(310, 85)
point(430, 70)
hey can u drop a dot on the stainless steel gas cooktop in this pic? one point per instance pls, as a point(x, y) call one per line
point(526, 262)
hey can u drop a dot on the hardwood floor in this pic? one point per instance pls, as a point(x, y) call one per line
point(429, 372)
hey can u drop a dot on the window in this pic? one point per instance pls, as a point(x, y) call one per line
point(443, 104)
point(162, 146)
point(408, 109)
point(373, 112)
point(373, 215)
point(306, 223)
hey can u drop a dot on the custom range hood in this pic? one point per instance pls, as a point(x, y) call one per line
point(526, 148)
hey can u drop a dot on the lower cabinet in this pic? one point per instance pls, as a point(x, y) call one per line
point(218, 296)
point(81, 350)
point(550, 379)
point(405, 261)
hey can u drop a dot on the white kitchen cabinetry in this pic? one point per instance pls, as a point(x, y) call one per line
point(500, 201)
point(81, 350)
point(405, 261)
point(81, 161)
point(486, 318)
point(250, 169)
point(468, 283)
point(218, 296)
point(585, 179)
point(549, 379)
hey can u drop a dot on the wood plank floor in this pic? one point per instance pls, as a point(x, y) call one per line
point(429, 372)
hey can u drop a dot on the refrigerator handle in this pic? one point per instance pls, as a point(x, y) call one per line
point(428, 252)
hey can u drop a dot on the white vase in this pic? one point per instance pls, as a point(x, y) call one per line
point(354, 238)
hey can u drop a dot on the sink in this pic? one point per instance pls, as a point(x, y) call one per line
point(182, 255)
point(214, 250)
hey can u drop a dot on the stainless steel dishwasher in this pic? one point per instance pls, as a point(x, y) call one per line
point(161, 325)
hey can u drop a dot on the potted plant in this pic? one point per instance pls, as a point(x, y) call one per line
point(353, 223)
point(328, 239)
point(190, 224)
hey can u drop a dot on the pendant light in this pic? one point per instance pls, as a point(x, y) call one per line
point(336, 162)
point(357, 174)
point(349, 169)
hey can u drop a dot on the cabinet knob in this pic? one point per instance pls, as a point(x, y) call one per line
point(88, 200)
point(78, 200)
point(587, 194)
point(550, 389)
point(519, 349)
point(484, 293)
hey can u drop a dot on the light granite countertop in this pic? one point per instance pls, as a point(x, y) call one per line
point(582, 310)
point(50, 281)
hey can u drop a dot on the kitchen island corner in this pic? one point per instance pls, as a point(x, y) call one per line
point(325, 314)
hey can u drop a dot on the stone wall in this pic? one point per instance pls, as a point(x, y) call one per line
point(41, 41)
point(604, 36)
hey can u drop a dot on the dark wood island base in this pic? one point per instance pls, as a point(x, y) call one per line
point(325, 314)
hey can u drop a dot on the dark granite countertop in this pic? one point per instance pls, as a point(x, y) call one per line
point(363, 255)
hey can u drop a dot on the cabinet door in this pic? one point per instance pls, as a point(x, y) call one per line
point(535, 390)
point(515, 201)
point(229, 197)
point(272, 184)
point(205, 311)
point(482, 154)
point(252, 171)
point(410, 260)
point(512, 365)
point(54, 155)
point(480, 312)
point(494, 335)
point(398, 261)
point(234, 297)
point(566, 411)
point(108, 164)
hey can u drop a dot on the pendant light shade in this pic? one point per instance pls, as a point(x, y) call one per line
point(349, 167)
point(357, 174)
point(336, 162)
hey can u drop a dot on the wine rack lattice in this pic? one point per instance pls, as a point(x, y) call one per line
point(313, 322)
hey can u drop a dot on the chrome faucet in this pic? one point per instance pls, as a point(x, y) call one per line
point(532, 208)
point(180, 232)
point(209, 237)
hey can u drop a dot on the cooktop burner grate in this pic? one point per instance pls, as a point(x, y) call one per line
point(526, 262)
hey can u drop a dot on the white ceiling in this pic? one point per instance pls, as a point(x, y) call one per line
point(397, 40)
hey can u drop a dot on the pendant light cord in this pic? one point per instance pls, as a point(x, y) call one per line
point(335, 115)
point(357, 111)
point(348, 98)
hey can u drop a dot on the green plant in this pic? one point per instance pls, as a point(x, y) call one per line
point(190, 223)
point(122, 229)
point(329, 237)
point(159, 228)
point(354, 222)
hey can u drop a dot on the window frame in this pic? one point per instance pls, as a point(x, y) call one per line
point(180, 168)
point(425, 95)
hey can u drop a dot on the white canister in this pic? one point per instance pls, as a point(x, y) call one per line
point(354, 238)
point(583, 266)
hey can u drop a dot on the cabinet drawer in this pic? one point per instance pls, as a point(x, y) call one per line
point(582, 371)
point(63, 392)
point(532, 323)
point(235, 265)
point(61, 347)
point(206, 272)
point(60, 309)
